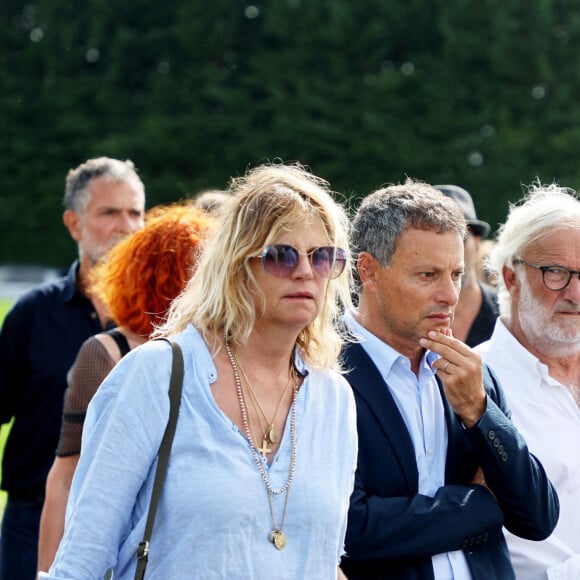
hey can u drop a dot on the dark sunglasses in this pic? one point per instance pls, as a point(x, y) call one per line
point(280, 260)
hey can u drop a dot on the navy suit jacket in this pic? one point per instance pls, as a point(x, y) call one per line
point(393, 530)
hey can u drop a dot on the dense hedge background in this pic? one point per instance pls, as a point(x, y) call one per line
point(482, 93)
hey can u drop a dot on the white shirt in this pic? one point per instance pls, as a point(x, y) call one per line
point(419, 402)
point(548, 418)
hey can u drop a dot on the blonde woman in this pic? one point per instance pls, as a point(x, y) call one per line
point(263, 459)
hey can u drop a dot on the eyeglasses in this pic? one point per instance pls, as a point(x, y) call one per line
point(280, 260)
point(554, 277)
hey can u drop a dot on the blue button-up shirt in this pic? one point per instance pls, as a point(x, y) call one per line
point(39, 341)
point(214, 517)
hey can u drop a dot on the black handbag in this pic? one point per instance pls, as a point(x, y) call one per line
point(175, 388)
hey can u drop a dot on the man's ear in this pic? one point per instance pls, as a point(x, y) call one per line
point(367, 269)
point(72, 221)
point(509, 277)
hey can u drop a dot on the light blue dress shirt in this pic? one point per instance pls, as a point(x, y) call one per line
point(419, 402)
point(213, 519)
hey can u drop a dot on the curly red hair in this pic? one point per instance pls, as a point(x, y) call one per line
point(143, 273)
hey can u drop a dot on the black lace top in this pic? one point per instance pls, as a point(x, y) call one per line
point(92, 365)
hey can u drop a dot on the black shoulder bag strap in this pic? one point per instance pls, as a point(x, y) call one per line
point(175, 387)
point(120, 339)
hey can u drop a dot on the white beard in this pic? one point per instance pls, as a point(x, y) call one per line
point(559, 338)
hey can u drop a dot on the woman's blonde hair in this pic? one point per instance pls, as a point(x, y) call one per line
point(265, 203)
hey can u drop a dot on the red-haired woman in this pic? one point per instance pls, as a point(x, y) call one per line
point(137, 282)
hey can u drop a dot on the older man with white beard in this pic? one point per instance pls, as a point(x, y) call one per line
point(535, 350)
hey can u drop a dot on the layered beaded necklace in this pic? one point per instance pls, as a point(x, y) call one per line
point(276, 535)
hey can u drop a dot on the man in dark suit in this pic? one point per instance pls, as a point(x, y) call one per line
point(441, 467)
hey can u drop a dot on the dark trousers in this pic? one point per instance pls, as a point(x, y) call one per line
point(19, 539)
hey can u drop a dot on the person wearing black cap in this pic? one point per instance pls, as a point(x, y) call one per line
point(477, 309)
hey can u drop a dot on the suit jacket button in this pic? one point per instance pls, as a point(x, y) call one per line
point(500, 449)
point(504, 456)
point(496, 442)
point(491, 435)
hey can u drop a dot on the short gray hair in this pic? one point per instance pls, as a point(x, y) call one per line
point(79, 179)
point(542, 210)
point(386, 214)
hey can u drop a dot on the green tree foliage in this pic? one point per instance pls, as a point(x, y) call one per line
point(478, 93)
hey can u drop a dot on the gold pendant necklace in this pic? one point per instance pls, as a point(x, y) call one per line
point(276, 535)
point(270, 436)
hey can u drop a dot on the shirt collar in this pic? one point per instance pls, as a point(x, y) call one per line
point(299, 363)
point(379, 351)
point(70, 284)
point(504, 341)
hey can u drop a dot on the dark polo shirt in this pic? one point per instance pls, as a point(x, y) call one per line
point(39, 341)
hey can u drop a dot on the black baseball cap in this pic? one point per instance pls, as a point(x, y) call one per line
point(462, 198)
